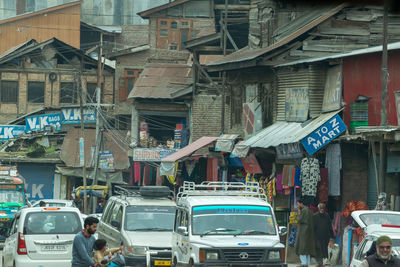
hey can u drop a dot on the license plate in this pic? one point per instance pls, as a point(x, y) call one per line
point(53, 248)
point(162, 263)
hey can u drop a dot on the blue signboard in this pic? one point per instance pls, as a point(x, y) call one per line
point(38, 123)
point(39, 180)
point(323, 135)
point(10, 131)
point(73, 115)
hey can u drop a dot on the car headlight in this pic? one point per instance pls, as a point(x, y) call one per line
point(135, 250)
point(212, 256)
point(274, 255)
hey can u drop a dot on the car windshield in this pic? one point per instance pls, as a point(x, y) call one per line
point(236, 220)
point(149, 218)
point(11, 196)
point(52, 223)
point(380, 218)
point(396, 246)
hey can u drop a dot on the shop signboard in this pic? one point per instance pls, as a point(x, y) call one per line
point(324, 134)
point(39, 122)
point(10, 131)
point(289, 151)
point(333, 89)
point(296, 104)
point(151, 154)
point(73, 115)
point(106, 161)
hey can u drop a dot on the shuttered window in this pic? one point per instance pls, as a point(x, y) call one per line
point(9, 91)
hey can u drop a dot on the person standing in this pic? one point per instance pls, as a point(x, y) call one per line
point(305, 241)
point(323, 233)
point(383, 255)
point(100, 206)
point(82, 247)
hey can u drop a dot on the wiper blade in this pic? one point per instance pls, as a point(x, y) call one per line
point(219, 230)
point(152, 229)
point(254, 232)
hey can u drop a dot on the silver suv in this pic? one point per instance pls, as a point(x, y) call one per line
point(142, 218)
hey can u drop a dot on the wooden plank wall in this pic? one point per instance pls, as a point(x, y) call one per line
point(63, 24)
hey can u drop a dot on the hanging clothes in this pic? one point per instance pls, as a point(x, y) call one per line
point(212, 169)
point(297, 175)
point(309, 176)
point(136, 166)
point(286, 174)
point(279, 187)
point(333, 161)
point(323, 187)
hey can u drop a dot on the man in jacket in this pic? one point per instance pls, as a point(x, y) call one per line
point(82, 248)
point(323, 233)
point(383, 256)
point(305, 241)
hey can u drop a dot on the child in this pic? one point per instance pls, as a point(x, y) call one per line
point(100, 246)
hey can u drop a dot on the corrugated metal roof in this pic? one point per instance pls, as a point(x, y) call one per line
point(162, 80)
point(70, 148)
point(368, 50)
point(245, 54)
point(146, 13)
point(190, 149)
point(104, 29)
point(376, 129)
point(287, 132)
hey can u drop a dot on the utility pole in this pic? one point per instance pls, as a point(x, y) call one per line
point(98, 117)
point(385, 75)
point(82, 143)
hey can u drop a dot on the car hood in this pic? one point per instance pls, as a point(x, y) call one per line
point(162, 239)
point(238, 241)
point(365, 218)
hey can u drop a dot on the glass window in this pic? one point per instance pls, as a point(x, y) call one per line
point(164, 23)
point(185, 23)
point(380, 218)
point(9, 91)
point(52, 223)
point(174, 25)
point(36, 92)
point(145, 218)
point(108, 211)
point(228, 220)
point(172, 47)
point(68, 93)
point(163, 32)
point(115, 212)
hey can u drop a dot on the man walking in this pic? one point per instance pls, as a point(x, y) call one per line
point(383, 255)
point(82, 247)
point(305, 242)
point(323, 233)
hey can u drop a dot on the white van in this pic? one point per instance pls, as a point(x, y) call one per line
point(225, 224)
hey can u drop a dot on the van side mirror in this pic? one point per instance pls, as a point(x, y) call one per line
point(282, 230)
point(115, 224)
point(182, 230)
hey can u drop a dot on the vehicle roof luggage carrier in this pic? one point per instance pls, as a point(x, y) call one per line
point(144, 191)
point(209, 188)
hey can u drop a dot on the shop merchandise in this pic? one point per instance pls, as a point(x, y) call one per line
point(286, 173)
point(297, 175)
point(292, 236)
point(279, 187)
point(333, 162)
point(136, 166)
point(323, 186)
point(310, 176)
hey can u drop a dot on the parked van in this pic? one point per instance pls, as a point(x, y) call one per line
point(225, 224)
point(142, 219)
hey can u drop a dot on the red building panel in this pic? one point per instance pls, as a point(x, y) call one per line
point(362, 76)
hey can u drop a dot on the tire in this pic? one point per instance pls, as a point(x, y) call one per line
point(191, 263)
point(174, 262)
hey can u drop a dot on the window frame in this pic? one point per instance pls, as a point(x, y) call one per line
point(74, 96)
point(16, 92)
point(28, 95)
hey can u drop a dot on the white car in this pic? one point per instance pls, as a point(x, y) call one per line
point(55, 203)
point(374, 224)
point(42, 236)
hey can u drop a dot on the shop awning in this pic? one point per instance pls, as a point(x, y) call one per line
point(190, 149)
point(115, 177)
point(240, 150)
point(286, 132)
point(225, 142)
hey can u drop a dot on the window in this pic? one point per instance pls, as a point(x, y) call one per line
point(172, 47)
point(36, 92)
point(174, 25)
point(130, 77)
point(68, 93)
point(107, 212)
point(115, 213)
point(164, 23)
point(163, 33)
point(185, 23)
point(9, 91)
point(52, 223)
point(91, 93)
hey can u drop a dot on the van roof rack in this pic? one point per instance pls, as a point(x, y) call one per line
point(143, 191)
point(248, 189)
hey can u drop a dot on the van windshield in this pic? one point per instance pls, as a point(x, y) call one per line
point(149, 218)
point(37, 223)
point(233, 220)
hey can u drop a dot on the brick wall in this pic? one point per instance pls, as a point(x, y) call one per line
point(206, 116)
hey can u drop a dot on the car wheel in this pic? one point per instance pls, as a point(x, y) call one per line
point(191, 263)
point(174, 262)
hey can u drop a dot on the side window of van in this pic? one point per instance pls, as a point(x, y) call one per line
point(116, 211)
point(107, 213)
point(106, 210)
point(177, 218)
point(14, 226)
